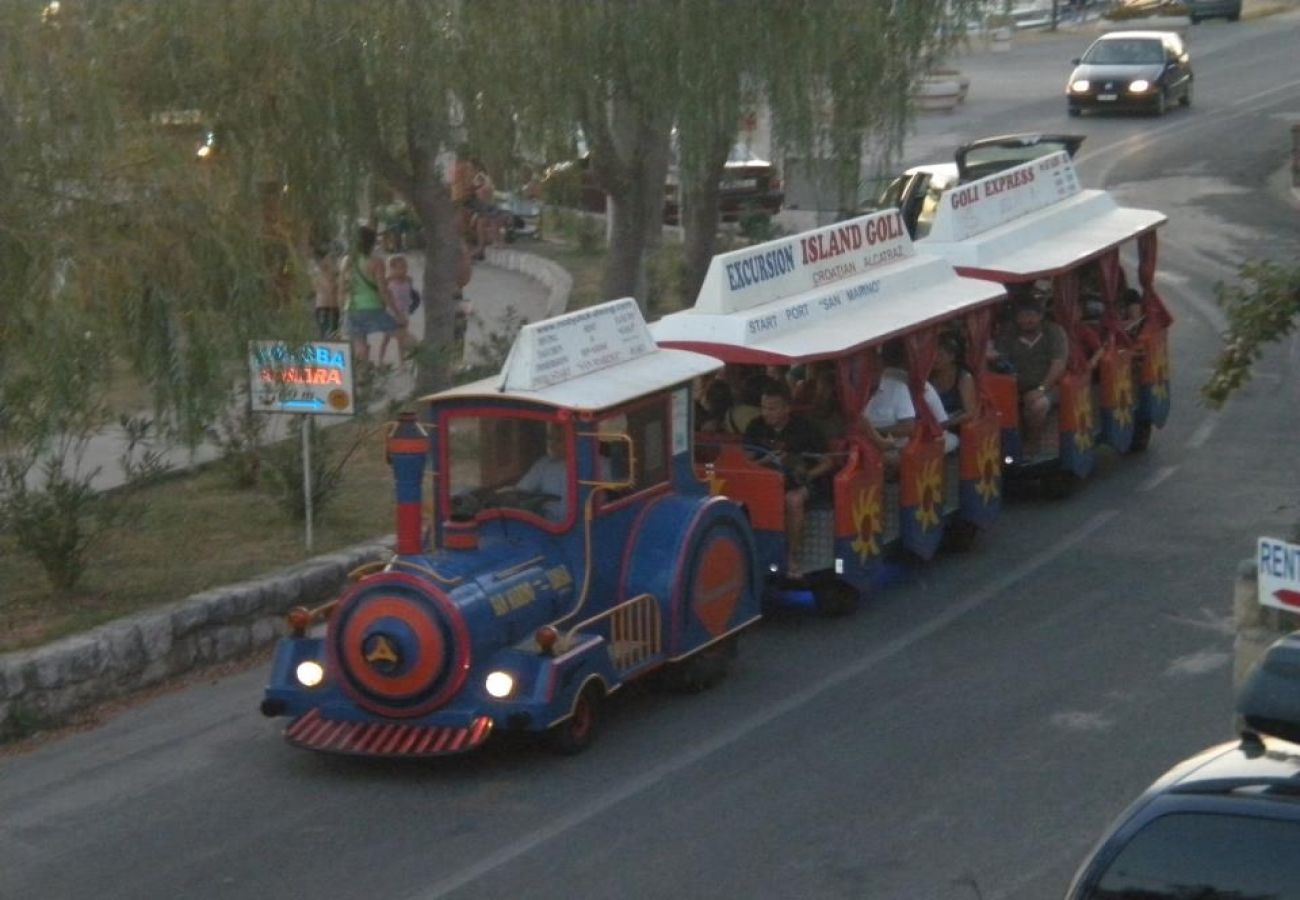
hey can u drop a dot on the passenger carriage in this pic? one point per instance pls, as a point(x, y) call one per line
point(522, 602)
point(1033, 223)
point(837, 294)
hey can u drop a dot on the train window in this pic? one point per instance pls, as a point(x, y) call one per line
point(647, 427)
point(503, 461)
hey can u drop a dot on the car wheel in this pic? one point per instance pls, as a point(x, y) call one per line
point(1186, 98)
point(1195, 19)
point(1162, 103)
point(1073, 111)
point(1234, 17)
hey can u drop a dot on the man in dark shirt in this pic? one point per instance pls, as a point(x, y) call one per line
point(798, 446)
point(1038, 350)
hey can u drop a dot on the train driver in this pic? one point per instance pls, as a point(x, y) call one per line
point(549, 476)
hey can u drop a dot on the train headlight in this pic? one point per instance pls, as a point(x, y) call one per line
point(499, 684)
point(309, 673)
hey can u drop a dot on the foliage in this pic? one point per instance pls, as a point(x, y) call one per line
point(55, 522)
point(284, 467)
point(238, 435)
point(490, 353)
point(667, 280)
point(1261, 310)
point(757, 226)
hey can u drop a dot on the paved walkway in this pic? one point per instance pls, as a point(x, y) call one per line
point(492, 291)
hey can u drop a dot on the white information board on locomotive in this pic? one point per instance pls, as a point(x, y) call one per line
point(575, 344)
point(312, 379)
point(1279, 574)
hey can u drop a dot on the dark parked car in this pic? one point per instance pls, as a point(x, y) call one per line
point(916, 192)
point(1223, 824)
point(1131, 70)
point(748, 184)
point(1212, 9)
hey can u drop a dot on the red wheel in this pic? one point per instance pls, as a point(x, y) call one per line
point(578, 731)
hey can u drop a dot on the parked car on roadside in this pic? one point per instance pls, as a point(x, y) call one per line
point(1223, 824)
point(1198, 10)
point(748, 185)
point(1141, 71)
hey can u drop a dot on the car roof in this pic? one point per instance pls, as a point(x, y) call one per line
point(1257, 763)
point(1145, 35)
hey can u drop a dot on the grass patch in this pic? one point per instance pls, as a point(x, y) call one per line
point(196, 532)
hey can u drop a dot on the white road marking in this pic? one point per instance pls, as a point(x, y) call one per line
point(747, 726)
point(1202, 433)
point(1198, 663)
point(1156, 479)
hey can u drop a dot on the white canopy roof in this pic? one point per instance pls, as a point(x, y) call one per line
point(1030, 221)
point(820, 294)
point(591, 358)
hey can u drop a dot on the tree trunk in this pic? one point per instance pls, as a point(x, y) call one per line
point(634, 179)
point(700, 218)
point(436, 355)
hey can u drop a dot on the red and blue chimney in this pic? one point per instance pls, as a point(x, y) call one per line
point(408, 449)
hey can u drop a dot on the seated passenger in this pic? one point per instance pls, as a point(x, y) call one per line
point(549, 476)
point(1131, 311)
point(1038, 351)
point(798, 447)
point(712, 409)
point(891, 412)
point(746, 392)
point(954, 385)
point(820, 394)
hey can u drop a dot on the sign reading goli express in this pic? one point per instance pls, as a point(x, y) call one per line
point(313, 378)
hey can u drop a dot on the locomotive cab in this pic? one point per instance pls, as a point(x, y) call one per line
point(567, 548)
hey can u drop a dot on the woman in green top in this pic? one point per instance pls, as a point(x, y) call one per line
point(370, 305)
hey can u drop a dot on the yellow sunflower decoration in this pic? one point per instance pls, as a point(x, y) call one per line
point(929, 490)
point(987, 462)
point(867, 523)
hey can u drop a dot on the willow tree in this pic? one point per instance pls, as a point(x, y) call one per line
point(601, 72)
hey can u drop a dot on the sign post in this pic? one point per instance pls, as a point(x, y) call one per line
point(308, 379)
point(1279, 574)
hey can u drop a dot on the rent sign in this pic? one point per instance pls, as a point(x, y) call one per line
point(1279, 574)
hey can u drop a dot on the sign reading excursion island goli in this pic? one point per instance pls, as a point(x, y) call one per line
point(309, 379)
point(1279, 574)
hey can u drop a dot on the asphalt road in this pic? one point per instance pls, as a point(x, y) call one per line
point(965, 736)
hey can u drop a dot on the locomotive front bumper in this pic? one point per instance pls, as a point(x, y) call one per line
point(312, 731)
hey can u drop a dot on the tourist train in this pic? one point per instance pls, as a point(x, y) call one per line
point(573, 524)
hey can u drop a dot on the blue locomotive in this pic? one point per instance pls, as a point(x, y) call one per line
point(571, 549)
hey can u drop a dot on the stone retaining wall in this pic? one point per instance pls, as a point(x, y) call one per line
point(1257, 626)
point(42, 687)
point(558, 282)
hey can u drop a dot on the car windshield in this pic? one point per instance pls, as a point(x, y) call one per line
point(1125, 52)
